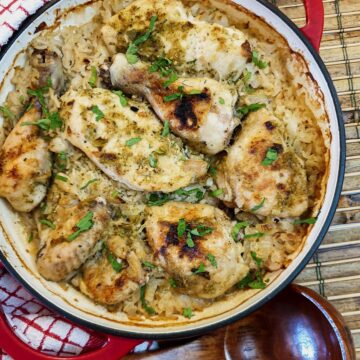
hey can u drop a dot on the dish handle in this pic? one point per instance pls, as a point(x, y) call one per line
point(314, 27)
point(114, 348)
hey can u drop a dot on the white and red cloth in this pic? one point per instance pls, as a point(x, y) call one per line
point(41, 328)
point(13, 13)
point(32, 321)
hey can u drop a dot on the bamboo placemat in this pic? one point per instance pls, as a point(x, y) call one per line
point(334, 271)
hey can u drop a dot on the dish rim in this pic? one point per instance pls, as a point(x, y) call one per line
point(331, 212)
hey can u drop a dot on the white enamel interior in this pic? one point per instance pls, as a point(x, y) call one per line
point(16, 250)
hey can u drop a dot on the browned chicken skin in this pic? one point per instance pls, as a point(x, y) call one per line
point(203, 115)
point(25, 164)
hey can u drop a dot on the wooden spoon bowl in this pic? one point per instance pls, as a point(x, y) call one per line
point(298, 324)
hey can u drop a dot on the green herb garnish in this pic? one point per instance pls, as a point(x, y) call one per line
point(221, 101)
point(212, 260)
point(144, 303)
point(93, 77)
point(181, 227)
point(86, 223)
point(48, 223)
point(52, 122)
point(152, 161)
point(166, 129)
point(270, 157)
point(172, 97)
point(236, 229)
point(172, 79)
point(257, 260)
point(257, 61)
point(254, 235)
point(131, 53)
point(7, 112)
point(132, 141)
point(201, 230)
point(158, 199)
point(115, 264)
point(259, 206)
point(249, 108)
point(187, 312)
point(189, 241)
point(149, 265)
point(200, 269)
point(61, 178)
point(194, 92)
point(122, 97)
point(99, 114)
point(88, 183)
point(217, 192)
point(164, 65)
point(212, 170)
point(309, 221)
point(172, 282)
point(31, 237)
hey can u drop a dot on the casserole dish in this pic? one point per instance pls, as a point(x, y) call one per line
point(19, 261)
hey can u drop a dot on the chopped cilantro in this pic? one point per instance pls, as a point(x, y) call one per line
point(236, 229)
point(200, 269)
point(31, 237)
point(212, 260)
point(217, 192)
point(254, 235)
point(172, 97)
point(149, 265)
point(158, 199)
point(195, 92)
point(259, 206)
point(162, 64)
point(48, 223)
point(122, 97)
point(172, 79)
point(221, 101)
point(257, 260)
point(7, 112)
point(144, 303)
point(93, 77)
point(189, 241)
point(115, 264)
point(187, 312)
point(132, 141)
point(153, 161)
point(257, 61)
point(270, 157)
point(181, 227)
point(131, 52)
point(86, 223)
point(166, 129)
point(99, 114)
point(61, 178)
point(248, 108)
point(88, 183)
point(201, 230)
point(309, 221)
point(52, 122)
point(172, 282)
point(212, 170)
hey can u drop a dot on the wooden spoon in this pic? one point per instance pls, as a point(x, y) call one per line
point(297, 324)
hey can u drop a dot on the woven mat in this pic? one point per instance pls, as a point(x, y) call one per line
point(334, 271)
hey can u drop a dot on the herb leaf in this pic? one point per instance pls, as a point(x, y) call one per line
point(257, 61)
point(212, 260)
point(163, 65)
point(254, 235)
point(172, 282)
point(158, 199)
point(187, 312)
point(200, 269)
point(132, 141)
point(48, 223)
point(152, 161)
point(309, 221)
point(86, 223)
point(257, 260)
point(189, 241)
point(144, 303)
point(122, 97)
point(217, 192)
point(172, 97)
point(249, 108)
point(99, 114)
point(115, 264)
point(166, 129)
point(131, 52)
point(270, 157)
point(221, 101)
point(172, 79)
point(7, 112)
point(201, 230)
point(93, 77)
point(61, 178)
point(236, 229)
point(181, 227)
point(149, 265)
point(259, 206)
point(88, 183)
